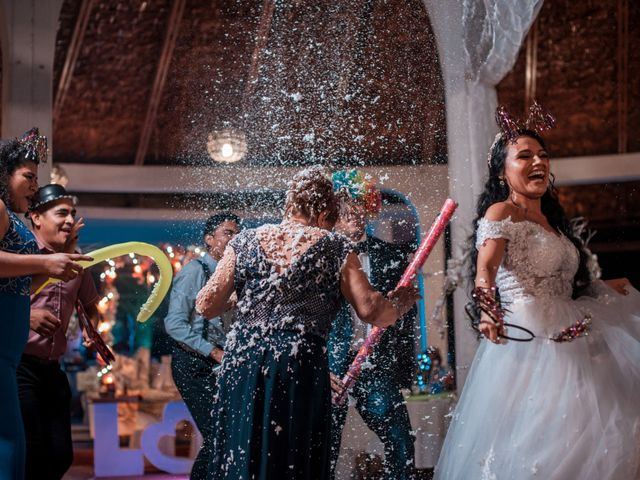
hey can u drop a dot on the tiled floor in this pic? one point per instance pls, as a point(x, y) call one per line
point(81, 472)
point(82, 469)
point(86, 473)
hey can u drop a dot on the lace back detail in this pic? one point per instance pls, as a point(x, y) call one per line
point(287, 278)
point(285, 243)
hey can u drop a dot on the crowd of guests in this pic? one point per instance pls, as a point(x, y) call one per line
point(306, 300)
point(36, 394)
point(303, 294)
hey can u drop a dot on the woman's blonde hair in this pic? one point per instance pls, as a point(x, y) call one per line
point(310, 193)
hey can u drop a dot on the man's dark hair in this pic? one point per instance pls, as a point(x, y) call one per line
point(214, 221)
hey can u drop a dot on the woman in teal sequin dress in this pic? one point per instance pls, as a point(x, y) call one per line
point(272, 413)
point(19, 260)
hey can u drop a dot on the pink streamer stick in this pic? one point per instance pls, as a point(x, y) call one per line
point(409, 275)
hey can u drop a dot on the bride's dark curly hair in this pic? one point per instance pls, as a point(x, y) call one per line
point(496, 191)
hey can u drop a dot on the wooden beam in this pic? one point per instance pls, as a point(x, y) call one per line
point(72, 56)
point(109, 178)
point(354, 56)
point(166, 55)
point(531, 71)
point(262, 35)
point(623, 73)
point(623, 167)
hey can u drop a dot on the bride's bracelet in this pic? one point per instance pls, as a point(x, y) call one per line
point(581, 328)
point(485, 300)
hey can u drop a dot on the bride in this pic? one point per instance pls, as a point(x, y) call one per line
point(565, 405)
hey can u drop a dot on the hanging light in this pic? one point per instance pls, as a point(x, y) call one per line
point(227, 146)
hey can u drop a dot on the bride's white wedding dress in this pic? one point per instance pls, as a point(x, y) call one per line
point(541, 409)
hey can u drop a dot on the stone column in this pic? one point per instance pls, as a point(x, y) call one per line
point(471, 100)
point(28, 32)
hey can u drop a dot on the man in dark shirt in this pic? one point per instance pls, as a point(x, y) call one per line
point(391, 365)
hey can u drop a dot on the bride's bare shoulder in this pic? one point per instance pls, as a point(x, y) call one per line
point(501, 210)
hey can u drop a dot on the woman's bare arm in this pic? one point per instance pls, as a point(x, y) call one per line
point(4, 220)
point(490, 256)
point(16, 265)
point(618, 284)
point(213, 299)
point(62, 266)
point(370, 305)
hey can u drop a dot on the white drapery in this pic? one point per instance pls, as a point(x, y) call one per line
point(478, 43)
point(493, 34)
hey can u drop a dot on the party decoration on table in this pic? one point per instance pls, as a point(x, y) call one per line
point(160, 289)
point(410, 273)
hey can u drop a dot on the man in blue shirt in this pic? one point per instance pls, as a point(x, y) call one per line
point(199, 342)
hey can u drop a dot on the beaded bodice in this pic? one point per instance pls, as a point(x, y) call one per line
point(18, 239)
point(537, 263)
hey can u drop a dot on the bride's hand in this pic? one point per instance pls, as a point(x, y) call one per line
point(618, 284)
point(489, 329)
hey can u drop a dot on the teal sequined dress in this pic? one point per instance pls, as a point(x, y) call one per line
point(272, 413)
point(14, 329)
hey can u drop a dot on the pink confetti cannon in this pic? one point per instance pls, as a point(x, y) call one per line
point(410, 273)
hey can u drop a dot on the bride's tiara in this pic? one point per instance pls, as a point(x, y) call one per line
point(35, 145)
point(539, 120)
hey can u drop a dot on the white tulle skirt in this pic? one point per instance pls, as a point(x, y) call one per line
point(553, 411)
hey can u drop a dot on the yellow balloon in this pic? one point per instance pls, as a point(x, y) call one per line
point(161, 287)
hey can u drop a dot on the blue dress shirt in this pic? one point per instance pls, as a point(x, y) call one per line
point(182, 322)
